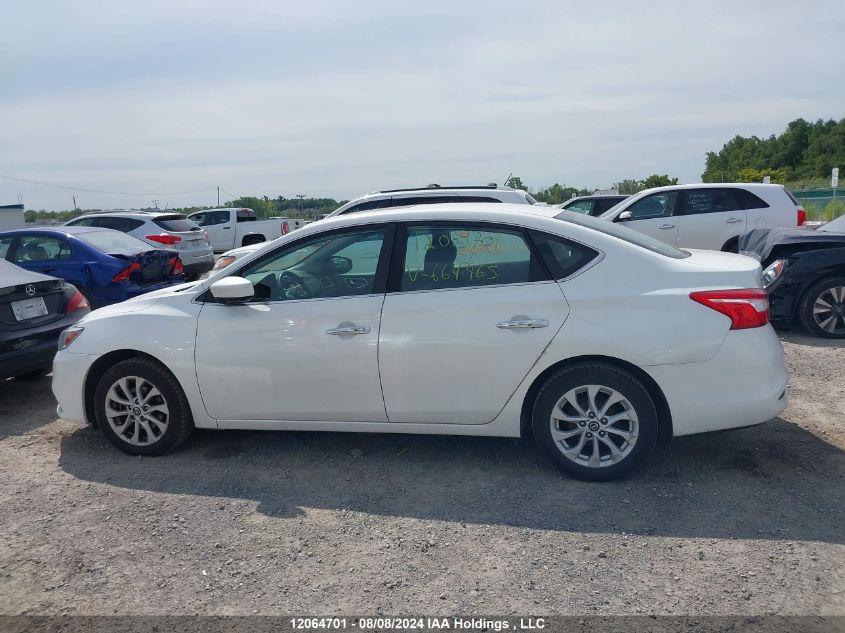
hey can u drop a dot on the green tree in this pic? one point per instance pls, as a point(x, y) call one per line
point(658, 180)
point(515, 182)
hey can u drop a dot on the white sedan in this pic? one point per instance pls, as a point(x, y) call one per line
point(465, 319)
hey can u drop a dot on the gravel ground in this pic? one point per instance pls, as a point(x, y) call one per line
point(747, 522)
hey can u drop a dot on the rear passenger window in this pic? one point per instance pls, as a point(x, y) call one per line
point(447, 256)
point(562, 256)
point(582, 206)
point(748, 200)
point(84, 222)
point(710, 201)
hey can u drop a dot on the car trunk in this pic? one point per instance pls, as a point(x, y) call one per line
point(32, 304)
point(149, 267)
point(716, 269)
point(191, 236)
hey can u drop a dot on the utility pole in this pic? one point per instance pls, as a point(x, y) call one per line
point(75, 208)
point(155, 202)
point(218, 195)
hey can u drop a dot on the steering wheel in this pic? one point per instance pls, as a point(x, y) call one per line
point(293, 287)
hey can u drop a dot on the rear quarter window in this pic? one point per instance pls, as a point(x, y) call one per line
point(563, 257)
point(748, 200)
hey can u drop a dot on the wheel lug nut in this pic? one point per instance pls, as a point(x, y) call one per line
point(604, 420)
point(589, 435)
point(582, 424)
point(601, 433)
point(591, 414)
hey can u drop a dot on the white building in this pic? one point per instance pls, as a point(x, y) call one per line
point(11, 217)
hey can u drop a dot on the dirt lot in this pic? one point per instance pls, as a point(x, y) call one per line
point(747, 522)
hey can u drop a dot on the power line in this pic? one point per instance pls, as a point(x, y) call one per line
point(114, 193)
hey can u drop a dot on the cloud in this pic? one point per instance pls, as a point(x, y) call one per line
point(336, 99)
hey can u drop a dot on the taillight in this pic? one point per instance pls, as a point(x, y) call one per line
point(285, 228)
point(745, 308)
point(165, 238)
point(77, 302)
point(802, 216)
point(124, 274)
point(176, 267)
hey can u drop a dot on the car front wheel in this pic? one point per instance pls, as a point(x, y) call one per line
point(141, 408)
point(595, 421)
point(822, 309)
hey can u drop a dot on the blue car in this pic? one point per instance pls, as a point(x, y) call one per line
point(106, 265)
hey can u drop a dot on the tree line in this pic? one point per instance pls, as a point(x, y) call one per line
point(801, 156)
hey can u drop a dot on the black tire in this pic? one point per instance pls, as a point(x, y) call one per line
point(612, 378)
point(35, 374)
point(180, 423)
point(807, 303)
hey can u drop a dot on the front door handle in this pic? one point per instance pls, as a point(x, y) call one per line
point(352, 329)
point(732, 220)
point(227, 228)
point(517, 324)
point(666, 227)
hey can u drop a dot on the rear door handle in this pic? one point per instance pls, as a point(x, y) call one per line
point(732, 220)
point(353, 329)
point(227, 228)
point(666, 227)
point(522, 324)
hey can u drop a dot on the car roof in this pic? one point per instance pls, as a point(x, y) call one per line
point(127, 214)
point(714, 185)
point(66, 230)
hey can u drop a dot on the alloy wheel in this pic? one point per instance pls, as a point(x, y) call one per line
point(136, 411)
point(594, 426)
point(829, 310)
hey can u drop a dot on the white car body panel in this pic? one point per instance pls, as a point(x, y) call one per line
point(285, 344)
point(631, 306)
point(711, 230)
point(451, 369)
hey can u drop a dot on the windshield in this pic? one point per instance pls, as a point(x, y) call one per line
point(623, 233)
point(113, 241)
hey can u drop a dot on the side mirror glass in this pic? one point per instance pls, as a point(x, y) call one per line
point(624, 216)
point(232, 289)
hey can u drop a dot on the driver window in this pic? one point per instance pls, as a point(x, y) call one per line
point(658, 205)
point(337, 265)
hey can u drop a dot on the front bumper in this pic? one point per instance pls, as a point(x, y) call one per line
point(69, 373)
point(742, 385)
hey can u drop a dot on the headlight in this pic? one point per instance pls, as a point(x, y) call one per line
point(68, 336)
point(773, 272)
point(223, 262)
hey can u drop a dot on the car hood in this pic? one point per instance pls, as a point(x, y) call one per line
point(760, 243)
point(244, 250)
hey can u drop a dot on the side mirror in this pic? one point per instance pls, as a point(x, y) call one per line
point(341, 265)
point(624, 216)
point(232, 289)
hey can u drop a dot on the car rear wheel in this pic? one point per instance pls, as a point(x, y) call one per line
point(822, 308)
point(141, 408)
point(595, 421)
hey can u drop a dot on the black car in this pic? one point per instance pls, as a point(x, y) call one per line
point(804, 276)
point(34, 309)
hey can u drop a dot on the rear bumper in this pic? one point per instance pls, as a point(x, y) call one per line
point(23, 352)
point(742, 385)
point(117, 292)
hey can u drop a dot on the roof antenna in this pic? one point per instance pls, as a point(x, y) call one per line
point(507, 180)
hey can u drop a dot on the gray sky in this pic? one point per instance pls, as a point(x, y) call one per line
point(341, 98)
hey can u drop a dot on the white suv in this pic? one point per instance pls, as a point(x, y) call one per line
point(434, 194)
point(710, 216)
point(159, 228)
